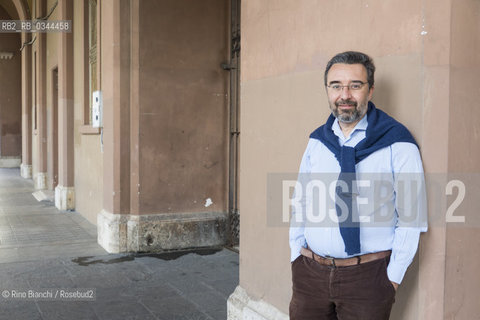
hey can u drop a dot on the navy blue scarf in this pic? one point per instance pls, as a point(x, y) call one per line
point(382, 131)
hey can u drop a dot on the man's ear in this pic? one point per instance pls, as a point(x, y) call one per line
point(370, 93)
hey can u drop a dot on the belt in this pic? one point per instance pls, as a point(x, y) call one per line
point(338, 262)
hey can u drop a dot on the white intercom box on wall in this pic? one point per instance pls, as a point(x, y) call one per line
point(97, 109)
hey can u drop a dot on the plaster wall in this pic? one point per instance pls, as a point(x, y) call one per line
point(10, 7)
point(465, 68)
point(182, 107)
point(34, 114)
point(53, 39)
point(87, 149)
point(436, 94)
point(285, 47)
point(10, 94)
point(115, 84)
point(463, 262)
point(52, 51)
point(39, 102)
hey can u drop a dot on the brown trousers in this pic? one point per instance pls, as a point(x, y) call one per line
point(360, 292)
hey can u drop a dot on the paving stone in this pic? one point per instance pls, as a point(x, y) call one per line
point(133, 293)
point(17, 269)
point(224, 287)
point(102, 274)
point(155, 264)
point(225, 258)
point(209, 301)
point(51, 250)
point(213, 273)
point(12, 284)
point(121, 309)
point(47, 271)
point(60, 282)
point(99, 280)
point(188, 283)
point(19, 310)
point(174, 307)
point(78, 310)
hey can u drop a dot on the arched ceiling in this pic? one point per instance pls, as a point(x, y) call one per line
point(17, 9)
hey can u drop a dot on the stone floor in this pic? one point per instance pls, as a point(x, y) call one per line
point(54, 255)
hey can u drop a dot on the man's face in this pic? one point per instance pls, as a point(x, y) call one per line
point(348, 105)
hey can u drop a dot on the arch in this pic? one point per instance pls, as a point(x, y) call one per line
point(19, 10)
point(10, 95)
point(23, 12)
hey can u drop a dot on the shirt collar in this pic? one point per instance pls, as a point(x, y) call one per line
point(361, 126)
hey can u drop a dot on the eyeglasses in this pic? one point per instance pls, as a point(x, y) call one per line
point(352, 86)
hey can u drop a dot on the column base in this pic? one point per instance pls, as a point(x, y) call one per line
point(240, 306)
point(26, 171)
point(41, 181)
point(65, 198)
point(10, 162)
point(160, 232)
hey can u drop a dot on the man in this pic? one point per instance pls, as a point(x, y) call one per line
point(350, 267)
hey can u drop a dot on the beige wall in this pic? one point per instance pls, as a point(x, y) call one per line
point(39, 97)
point(464, 90)
point(10, 94)
point(285, 46)
point(53, 42)
point(88, 156)
point(88, 150)
point(462, 281)
point(165, 123)
point(182, 107)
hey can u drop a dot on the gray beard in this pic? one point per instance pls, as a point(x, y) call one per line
point(347, 117)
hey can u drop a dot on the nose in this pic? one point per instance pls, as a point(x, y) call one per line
point(345, 93)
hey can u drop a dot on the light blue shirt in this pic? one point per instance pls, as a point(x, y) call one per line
point(395, 164)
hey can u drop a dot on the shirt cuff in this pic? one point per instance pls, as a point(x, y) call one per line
point(295, 253)
point(396, 272)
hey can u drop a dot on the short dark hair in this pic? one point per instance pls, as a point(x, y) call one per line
point(353, 57)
